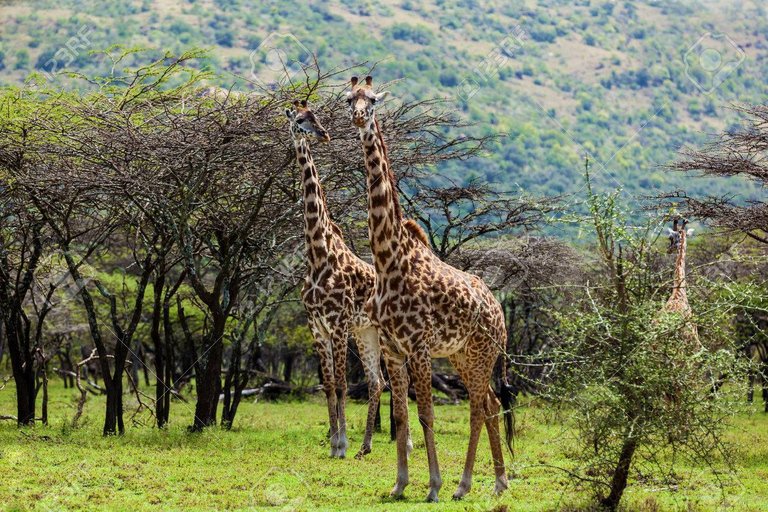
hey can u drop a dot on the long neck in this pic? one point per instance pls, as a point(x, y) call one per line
point(317, 222)
point(384, 212)
point(680, 264)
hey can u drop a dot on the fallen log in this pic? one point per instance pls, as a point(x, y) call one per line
point(448, 384)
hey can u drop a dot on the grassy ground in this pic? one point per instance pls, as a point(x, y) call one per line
point(276, 459)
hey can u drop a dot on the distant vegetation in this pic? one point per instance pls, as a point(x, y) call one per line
point(603, 70)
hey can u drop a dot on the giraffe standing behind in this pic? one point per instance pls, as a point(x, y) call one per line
point(678, 300)
point(334, 293)
point(425, 308)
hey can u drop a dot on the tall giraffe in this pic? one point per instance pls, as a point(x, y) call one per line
point(425, 308)
point(678, 300)
point(334, 293)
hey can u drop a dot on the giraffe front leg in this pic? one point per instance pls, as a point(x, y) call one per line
point(339, 341)
point(325, 354)
point(398, 378)
point(370, 354)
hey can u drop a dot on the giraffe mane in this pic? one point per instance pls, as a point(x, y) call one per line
point(414, 229)
point(336, 229)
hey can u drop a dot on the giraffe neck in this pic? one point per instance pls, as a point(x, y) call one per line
point(317, 221)
point(384, 212)
point(680, 266)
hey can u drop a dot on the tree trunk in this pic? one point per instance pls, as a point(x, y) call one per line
point(620, 475)
point(161, 415)
point(23, 372)
point(288, 366)
point(209, 378)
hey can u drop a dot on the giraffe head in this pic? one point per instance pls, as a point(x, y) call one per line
point(362, 100)
point(304, 123)
point(678, 234)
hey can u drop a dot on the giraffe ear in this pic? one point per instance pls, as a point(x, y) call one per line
point(670, 231)
point(289, 114)
point(690, 232)
point(381, 95)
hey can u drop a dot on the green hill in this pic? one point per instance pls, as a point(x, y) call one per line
point(562, 78)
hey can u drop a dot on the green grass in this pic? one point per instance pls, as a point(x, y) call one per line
point(276, 459)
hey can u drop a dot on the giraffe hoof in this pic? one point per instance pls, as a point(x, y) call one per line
point(432, 497)
point(460, 493)
point(362, 453)
point(501, 486)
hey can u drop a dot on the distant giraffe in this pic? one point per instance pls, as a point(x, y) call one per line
point(425, 308)
point(678, 300)
point(335, 290)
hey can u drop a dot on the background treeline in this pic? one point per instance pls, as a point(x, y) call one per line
point(602, 69)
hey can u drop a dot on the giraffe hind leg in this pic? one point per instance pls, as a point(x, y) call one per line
point(370, 354)
point(420, 365)
point(492, 412)
point(398, 378)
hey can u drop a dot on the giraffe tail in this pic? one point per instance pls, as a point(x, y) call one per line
point(508, 398)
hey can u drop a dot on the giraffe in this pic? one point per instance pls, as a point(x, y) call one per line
point(678, 300)
point(336, 287)
point(425, 308)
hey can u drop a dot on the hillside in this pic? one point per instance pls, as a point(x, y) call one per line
point(599, 77)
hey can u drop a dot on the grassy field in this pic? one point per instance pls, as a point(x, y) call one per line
point(276, 459)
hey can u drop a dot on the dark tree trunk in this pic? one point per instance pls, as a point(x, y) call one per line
point(159, 312)
point(209, 378)
point(23, 367)
point(377, 421)
point(620, 475)
point(288, 366)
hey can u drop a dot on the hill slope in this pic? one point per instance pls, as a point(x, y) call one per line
point(565, 79)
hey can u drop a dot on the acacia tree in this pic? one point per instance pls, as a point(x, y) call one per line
point(25, 245)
